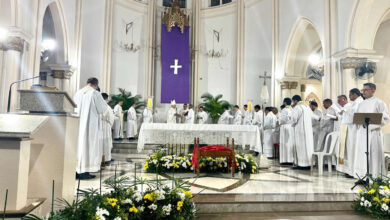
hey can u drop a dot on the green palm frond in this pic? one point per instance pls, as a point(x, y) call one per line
point(214, 105)
point(128, 100)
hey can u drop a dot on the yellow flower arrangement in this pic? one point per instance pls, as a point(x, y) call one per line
point(386, 188)
point(112, 201)
point(188, 163)
point(133, 209)
point(146, 165)
point(376, 199)
point(179, 205)
point(385, 200)
point(360, 190)
point(219, 165)
point(202, 164)
point(253, 169)
point(149, 197)
point(372, 191)
point(187, 193)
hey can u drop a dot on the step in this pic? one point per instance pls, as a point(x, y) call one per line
point(248, 203)
point(131, 151)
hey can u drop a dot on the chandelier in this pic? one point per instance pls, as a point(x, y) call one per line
point(213, 53)
point(129, 47)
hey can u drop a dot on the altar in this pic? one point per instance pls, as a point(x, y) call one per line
point(161, 133)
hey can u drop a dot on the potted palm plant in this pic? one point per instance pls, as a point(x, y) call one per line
point(214, 105)
point(128, 100)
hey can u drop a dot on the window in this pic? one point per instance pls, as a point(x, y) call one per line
point(219, 2)
point(167, 3)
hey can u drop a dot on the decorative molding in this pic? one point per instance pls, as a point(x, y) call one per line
point(174, 16)
point(370, 55)
point(289, 85)
point(13, 43)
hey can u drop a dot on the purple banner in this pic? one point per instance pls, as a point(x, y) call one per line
point(175, 65)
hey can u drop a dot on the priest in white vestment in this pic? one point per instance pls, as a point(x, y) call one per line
point(90, 105)
point(303, 130)
point(237, 115)
point(316, 123)
point(132, 126)
point(190, 115)
point(326, 124)
point(172, 113)
point(286, 133)
point(225, 117)
point(183, 113)
point(269, 127)
point(347, 165)
point(202, 116)
point(257, 121)
point(118, 123)
point(107, 124)
point(341, 150)
point(371, 104)
point(247, 117)
point(147, 115)
point(276, 134)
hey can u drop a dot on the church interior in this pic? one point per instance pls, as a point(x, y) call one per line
point(233, 52)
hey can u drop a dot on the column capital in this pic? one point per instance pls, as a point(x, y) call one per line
point(59, 71)
point(289, 85)
point(13, 43)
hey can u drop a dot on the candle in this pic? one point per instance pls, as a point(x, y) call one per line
point(150, 102)
point(250, 105)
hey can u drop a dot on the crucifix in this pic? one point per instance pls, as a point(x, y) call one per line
point(264, 90)
point(176, 67)
point(265, 77)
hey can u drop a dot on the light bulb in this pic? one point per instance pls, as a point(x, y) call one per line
point(3, 34)
point(49, 44)
point(314, 59)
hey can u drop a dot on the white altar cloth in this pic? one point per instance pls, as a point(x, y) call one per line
point(161, 133)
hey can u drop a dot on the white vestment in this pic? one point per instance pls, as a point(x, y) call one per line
point(276, 135)
point(237, 118)
point(286, 136)
point(257, 121)
point(107, 123)
point(132, 126)
point(269, 127)
point(347, 120)
point(247, 117)
point(327, 126)
point(182, 118)
point(190, 117)
point(202, 117)
point(118, 123)
point(376, 153)
point(225, 118)
point(301, 121)
point(90, 105)
point(315, 121)
point(147, 116)
point(171, 116)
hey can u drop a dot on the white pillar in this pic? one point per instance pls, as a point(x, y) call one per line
point(276, 88)
point(240, 51)
point(107, 46)
point(150, 50)
point(195, 54)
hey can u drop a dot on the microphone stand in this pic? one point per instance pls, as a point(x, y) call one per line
point(10, 90)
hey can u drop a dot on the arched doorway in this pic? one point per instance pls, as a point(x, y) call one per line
point(303, 62)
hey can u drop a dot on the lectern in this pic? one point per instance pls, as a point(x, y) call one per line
point(366, 119)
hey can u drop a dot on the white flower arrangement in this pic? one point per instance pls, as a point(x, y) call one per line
point(153, 207)
point(101, 212)
point(127, 201)
point(167, 209)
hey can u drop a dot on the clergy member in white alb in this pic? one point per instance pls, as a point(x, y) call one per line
point(147, 115)
point(107, 123)
point(276, 134)
point(132, 126)
point(303, 130)
point(225, 118)
point(183, 113)
point(247, 117)
point(172, 113)
point(326, 124)
point(269, 126)
point(190, 115)
point(343, 106)
point(257, 121)
point(286, 133)
point(316, 122)
point(371, 104)
point(90, 105)
point(118, 123)
point(349, 156)
point(202, 116)
point(237, 115)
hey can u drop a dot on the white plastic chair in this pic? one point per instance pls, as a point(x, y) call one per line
point(326, 152)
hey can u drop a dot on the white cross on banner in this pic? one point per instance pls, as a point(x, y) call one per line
point(176, 67)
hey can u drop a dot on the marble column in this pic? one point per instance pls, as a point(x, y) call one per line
point(195, 52)
point(240, 51)
point(10, 72)
point(150, 51)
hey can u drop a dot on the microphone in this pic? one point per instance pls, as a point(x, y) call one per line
point(10, 90)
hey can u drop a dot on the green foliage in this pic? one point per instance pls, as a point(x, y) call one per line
point(374, 199)
point(214, 105)
point(128, 100)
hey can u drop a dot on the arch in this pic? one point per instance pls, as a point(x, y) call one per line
point(61, 30)
point(303, 32)
point(313, 97)
point(364, 22)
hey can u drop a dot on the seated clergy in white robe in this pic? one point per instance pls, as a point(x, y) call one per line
point(132, 126)
point(326, 124)
point(107, 123)
point(257, 121)
point(202, 116)
point(190, 115)
point(371, 104)
point(237, 115)
point(225, 117)
point(286, 133)
point(90, 105)
point(303, 130)
point(247, 117)
point(118, 123)
point(346, 162)
point(172, 113)
point(316, 123)
point(269, 126)
point(147, 115)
